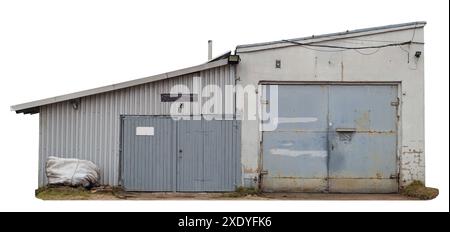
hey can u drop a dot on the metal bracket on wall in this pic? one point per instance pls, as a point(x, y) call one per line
point(395, 103)
point(277, 63)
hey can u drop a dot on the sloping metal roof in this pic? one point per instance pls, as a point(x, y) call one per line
point(328, 37)
point(33, 107)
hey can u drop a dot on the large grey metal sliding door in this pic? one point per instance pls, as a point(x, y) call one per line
point(336, 138)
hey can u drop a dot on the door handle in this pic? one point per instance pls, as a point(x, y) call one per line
point(332, 146)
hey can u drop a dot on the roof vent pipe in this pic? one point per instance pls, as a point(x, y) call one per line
point(209, 50)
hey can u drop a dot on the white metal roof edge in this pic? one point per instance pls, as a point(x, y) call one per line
point(327, 37)
point(122, 85)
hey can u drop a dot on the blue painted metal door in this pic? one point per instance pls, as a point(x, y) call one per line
point(295, 154)
point(336, 138)
point(162, 154)
point(222, 160)
point(208, 155)
point(148, 153)
point(363, 138)
point(190, 155)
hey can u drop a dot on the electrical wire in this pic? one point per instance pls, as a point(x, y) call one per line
point(380, 41)
point(407, 52)
point(321, 50)
point(373, 40)
point(414, 32)
point(367, 54)
point(356, 49)
point(346, 48)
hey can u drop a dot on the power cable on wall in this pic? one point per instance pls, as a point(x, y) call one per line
point(379, 41)
point(346, 48)
point(356, 49)
point(367, 54)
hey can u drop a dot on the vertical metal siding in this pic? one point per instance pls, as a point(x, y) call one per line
point(92, 131)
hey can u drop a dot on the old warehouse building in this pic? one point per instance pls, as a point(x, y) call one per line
point(341, 112)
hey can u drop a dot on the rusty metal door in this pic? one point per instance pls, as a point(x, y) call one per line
point(295, 153)
point(363, 138)
point(336, 138)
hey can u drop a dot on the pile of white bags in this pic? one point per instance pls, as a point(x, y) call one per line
point(72, 172)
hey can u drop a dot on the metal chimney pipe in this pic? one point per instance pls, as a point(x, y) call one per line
point(209, 50)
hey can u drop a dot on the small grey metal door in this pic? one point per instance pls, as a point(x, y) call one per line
point(208, 155)
point(162, 154)
point(336, 138)
point(148, 153)
point(363, 138)
point(190, 156)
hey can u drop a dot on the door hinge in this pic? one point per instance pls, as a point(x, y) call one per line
point(264, 172)
point(395, 103)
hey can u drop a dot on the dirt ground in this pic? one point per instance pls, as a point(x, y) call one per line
point(263, 196)
point(67, 193)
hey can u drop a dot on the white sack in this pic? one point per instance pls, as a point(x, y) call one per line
point(73, 172)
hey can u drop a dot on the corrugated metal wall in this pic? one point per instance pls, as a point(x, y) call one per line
point(92, 131)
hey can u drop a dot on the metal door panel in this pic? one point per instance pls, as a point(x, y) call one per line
point(353, 185)
point(190, 155)
point(299, 107)
point(295, 153)
point(364, 156)
point(148, 160)
point(222, 165)
point(363, 107)
point(363, 139)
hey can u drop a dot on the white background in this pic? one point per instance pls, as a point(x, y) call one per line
point(49, 48)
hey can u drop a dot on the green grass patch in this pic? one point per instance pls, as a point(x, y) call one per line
point(62, 193)
point(418, 190)
point(71, 193)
